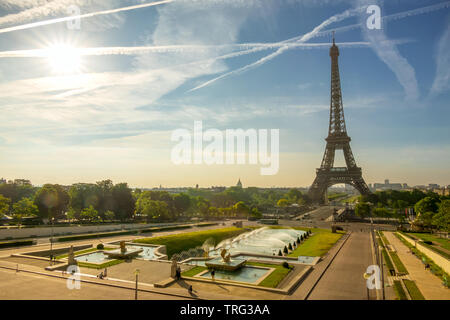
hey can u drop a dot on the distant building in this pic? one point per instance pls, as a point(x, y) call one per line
point(433, 186)
point(22, 182)
point(2, 181)
point(239, 184)
point(388, 186)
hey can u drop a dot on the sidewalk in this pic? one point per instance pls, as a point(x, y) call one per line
point(430, 285)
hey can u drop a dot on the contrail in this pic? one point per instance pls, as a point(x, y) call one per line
point(313, 34)
point(303, 38)
point(81, 16)
point(44, 53)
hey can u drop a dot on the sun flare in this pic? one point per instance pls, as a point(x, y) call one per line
point(64, 59)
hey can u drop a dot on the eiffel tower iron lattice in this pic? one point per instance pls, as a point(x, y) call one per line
point(328, 175)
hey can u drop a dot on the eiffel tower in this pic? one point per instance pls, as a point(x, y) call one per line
point(328, 175)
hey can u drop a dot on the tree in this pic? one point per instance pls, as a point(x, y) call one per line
point(52, 201)
point(427, 204)
point(4, 205)
point(255, 213)
point(283, 203)
point(442, 219)
point(241, 209)
point(362, 209)
point(24, 208)
point(109, 215)
point(89, 214)
point(181, 202)
point(426, 219)
point(123, 201)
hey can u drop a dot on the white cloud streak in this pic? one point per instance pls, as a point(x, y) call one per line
point(24, 15)
point(442, 80)
point(43, 53)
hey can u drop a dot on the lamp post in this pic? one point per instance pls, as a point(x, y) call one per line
point(136, 272)
point(51, 243)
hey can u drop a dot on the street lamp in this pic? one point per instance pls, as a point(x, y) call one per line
point(136, 272)
point(51, 242)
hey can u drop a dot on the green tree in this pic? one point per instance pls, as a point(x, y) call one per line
point(442, 219)
point(4, 205)
point(181, 202)
point(24, 208)
point(109, 215)
point(283, 203)
point(52, 201)
point(89, 214)
point(241, 209)
point(123, 201)
point(427, 204)
point(362, 209)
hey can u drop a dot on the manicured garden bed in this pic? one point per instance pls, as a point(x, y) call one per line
point(176, 243)
point(398, 263)
point(99, 266)
point(18, 243)
point(398, 289)
point(318, 244)
point(413, 291)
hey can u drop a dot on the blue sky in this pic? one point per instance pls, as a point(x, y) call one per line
point(113, 116)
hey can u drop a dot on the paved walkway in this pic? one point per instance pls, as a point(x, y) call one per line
point(430, 285)
point(344, 279)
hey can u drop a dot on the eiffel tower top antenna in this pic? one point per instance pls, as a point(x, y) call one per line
point(333, 38)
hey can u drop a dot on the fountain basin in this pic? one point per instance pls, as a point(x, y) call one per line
point(219, 264)
point(120, 254)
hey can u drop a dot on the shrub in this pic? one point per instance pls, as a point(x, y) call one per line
point(290, 246)
point(286, 265)
point(279, 253)
point(100, 246)
point(285, 250)
point(16, 243)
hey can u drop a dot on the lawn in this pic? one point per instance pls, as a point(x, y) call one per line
point(275, 277)
point(401, 294)
point(444, 243)
point(99, 266)
point(398, 263)
point(270, 281)
point(387, 260)
point(318, 244)
point(414, 292)
point(176, 243)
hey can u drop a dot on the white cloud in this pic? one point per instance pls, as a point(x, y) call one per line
point(442, 79)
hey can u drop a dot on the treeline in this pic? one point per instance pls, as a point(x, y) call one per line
point(105, 201)
point(432, 211)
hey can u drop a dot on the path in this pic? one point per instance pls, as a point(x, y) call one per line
point(430, 285)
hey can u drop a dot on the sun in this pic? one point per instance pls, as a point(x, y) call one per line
point(63, 59)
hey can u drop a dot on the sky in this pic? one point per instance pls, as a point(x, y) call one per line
point(99, 97)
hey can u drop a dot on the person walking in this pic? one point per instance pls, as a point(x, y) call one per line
point(213, 273)
point(190, 289)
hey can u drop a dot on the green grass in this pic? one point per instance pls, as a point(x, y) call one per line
point(445, 243)
point(398, 263)
point(275, 277)
point(414, 292)
point(99, 266)
point(318, 244)
point(398, 289)
point(335, 196)
point(434, 268)
point(183, 241)
point(387, 260)
point(386, 242)
point(192, 272)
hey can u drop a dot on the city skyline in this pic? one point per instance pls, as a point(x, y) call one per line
point(108, 112)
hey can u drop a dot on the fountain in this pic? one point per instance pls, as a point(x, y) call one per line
point(123, 252)
point(225, 262)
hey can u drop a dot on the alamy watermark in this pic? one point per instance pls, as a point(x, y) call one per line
point(374, 20)
point(373, 277)
point(74, 279)
point(230, 147)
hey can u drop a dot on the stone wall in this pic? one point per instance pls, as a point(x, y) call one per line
point(441, 261)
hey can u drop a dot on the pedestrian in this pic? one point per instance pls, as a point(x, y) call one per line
point(213, 273)
point(190, 289)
